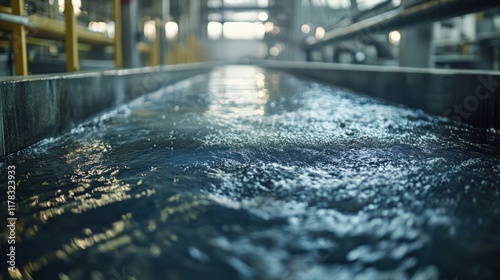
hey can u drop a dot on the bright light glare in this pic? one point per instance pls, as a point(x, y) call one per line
point(396, 2)
point(263, 16)
point(337, 4)
point(394, 37)
point(274, 51)
point(99, 27)
point(277, 49)
point(103, 27)
point(262, 3)
point(280, 46)
point(243, 30)
point(260, 29)
point(171, 30)
point(269, 26)
point(150, 30)
point(305, 28)
point(320, 33)
point(111, 29)
point(240, 16)
point(214, 30)
point(77, 5)
point(53, 50)
point(366, 4)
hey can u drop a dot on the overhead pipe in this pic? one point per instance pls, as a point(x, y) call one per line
point(430, 11)
point(21, 20)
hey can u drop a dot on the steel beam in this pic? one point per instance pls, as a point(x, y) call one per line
point(430, 11)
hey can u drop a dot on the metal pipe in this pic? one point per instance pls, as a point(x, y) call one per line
point(48, 28)
point(21, 20)
point(430, 11)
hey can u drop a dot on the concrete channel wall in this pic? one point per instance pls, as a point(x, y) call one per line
point(37, 107)
point(466, 96)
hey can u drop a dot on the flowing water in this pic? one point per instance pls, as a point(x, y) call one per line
point(247, 173)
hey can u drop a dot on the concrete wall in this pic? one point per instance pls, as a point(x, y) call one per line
point(471, 97)
point(36, 107)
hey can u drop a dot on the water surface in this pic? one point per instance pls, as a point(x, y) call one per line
point(246, 173)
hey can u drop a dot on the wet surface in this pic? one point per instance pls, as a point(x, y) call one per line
point(246, 173)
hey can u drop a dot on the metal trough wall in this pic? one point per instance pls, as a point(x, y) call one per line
point(471, 97)
point(35, 108)
point(45, 106)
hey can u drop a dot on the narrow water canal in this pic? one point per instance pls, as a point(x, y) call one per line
point(246, 173)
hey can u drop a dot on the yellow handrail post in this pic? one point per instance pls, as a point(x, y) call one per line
point(19, 37)
point(117, 14)
point(155, 53)
point(71, 40)
point(5, 9)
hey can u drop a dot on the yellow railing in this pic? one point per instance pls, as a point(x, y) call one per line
point(154, 50)
point(67, 31)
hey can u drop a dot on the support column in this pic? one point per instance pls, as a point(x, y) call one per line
point(155, 52)
point(19, 40)
point(183, 29)
point(117, 15)
point(354, 5)
point(415, 43)
point(71, 40)
point(194, 16)
point(130, 12)
point(165, 16)
point(297, 36)
point(194, 23)
point(415, 46)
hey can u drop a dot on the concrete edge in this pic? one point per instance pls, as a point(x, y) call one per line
point(37, 107)
point(353, 67)
point(465, 96)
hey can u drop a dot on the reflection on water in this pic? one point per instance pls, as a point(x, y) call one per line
point(247, 173)
point(236, 94)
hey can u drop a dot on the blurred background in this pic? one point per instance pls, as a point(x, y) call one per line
point(108, 34)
